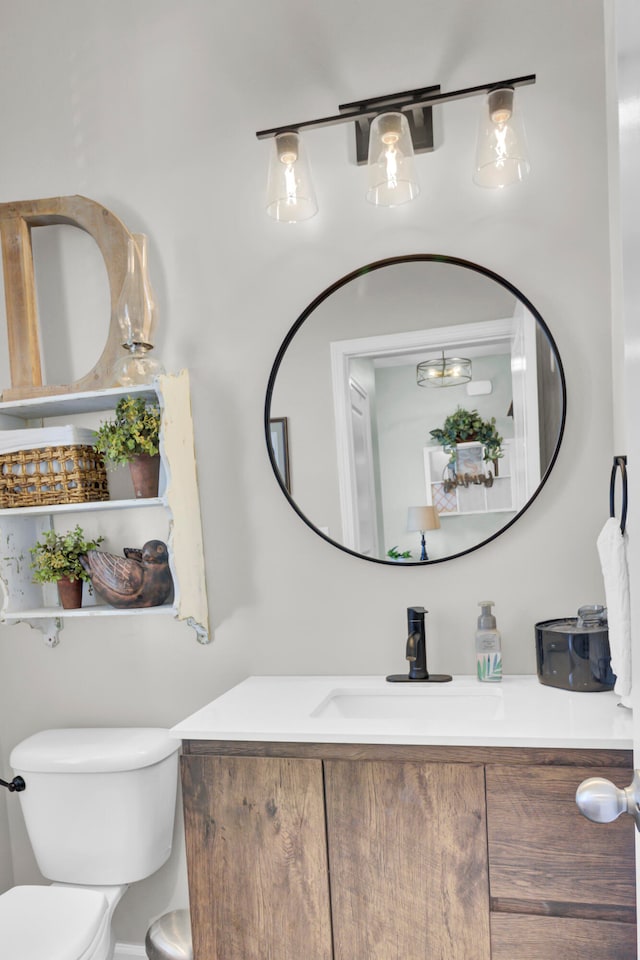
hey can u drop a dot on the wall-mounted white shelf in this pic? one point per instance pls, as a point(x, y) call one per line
point(68, 404)
point(97, 506)
point(178, 503)
point(90, 610)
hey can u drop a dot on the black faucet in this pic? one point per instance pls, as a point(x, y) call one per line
point(417, 652)
point(417, 644)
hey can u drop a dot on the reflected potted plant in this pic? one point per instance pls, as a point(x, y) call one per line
point(56, 559)
point(466, 426)
point(394, 554)
point(133, 437)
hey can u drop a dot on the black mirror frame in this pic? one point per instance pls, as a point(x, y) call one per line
point(361, 271)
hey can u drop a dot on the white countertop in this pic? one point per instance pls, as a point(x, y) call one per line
point(519, 711)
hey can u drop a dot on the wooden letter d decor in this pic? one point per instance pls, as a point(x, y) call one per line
point(16, 223)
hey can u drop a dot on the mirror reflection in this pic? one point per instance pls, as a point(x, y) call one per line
point(424, 400)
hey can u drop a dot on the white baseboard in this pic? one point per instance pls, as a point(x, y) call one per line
point(129, 951)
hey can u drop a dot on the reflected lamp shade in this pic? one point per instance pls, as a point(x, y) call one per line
point(391, 168)
point(290, 193)
point(420, 519)
point(501, 155)
point(443, 372)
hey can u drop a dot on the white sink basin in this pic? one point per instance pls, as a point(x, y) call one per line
point(429, 703)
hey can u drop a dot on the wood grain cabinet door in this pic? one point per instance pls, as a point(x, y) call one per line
point(256, 855)
point(561, 886)
point(408, 860)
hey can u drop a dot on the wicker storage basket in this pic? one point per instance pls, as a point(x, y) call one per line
point(60, 474)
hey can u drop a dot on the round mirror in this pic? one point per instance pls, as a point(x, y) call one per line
point(415, 409)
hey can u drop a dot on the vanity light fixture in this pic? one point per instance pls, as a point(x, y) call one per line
point(420, 519)
point(443, 372)
point(389, 130)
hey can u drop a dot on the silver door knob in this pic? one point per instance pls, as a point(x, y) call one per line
point(600, 800)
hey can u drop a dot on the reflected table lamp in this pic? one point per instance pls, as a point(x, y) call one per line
point(421, 519)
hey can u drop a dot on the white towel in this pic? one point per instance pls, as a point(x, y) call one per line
point(612, 549)
point(37, 438)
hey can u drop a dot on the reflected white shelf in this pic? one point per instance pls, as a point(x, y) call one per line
point(474, 498)
point(90, 610)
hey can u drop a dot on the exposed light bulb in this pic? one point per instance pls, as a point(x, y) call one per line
point(288, 156)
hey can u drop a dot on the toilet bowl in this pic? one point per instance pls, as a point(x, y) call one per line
point(99, 807)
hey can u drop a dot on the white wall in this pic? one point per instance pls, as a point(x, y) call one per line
point(150, 108)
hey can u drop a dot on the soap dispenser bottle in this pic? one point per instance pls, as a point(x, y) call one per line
point(488, 645)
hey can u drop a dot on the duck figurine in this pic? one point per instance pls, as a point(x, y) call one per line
point(139, 579)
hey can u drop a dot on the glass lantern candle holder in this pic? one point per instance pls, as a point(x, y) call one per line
point(138, 319)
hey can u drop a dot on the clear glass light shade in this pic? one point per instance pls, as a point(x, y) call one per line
point(137, 316)
point(443, 372)
point(392, 176)
point(501, 154)
point(290, 193)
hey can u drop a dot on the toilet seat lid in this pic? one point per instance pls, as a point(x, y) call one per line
point(58, 923)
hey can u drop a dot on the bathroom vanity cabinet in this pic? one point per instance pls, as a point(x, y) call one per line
point(173, 516)
point(340, 851)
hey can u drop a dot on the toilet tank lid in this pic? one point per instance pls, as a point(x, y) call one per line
point(93, 750)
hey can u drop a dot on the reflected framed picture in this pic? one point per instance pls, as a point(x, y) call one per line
point(469, 459)
point(280, 447)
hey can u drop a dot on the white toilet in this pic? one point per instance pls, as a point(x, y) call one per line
point(99, 806)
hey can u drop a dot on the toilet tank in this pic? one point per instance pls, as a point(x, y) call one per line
point(99, 804)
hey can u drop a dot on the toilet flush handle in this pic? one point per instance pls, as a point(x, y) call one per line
point(16, 785)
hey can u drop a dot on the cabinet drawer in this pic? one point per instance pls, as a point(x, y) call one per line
point(515, 937)
point(542, 848)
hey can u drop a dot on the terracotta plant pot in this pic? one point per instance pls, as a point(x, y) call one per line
point(70, 593)
point(145, 473)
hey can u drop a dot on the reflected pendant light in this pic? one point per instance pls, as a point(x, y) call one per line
point(392, 176)
point(501, 155)
point(290, 193)
point(443, 372)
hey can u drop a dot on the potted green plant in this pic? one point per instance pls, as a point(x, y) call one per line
point(464, 426)
point(56, 559)
point(133, 437)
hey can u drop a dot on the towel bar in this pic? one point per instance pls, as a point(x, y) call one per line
point(619, 463)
